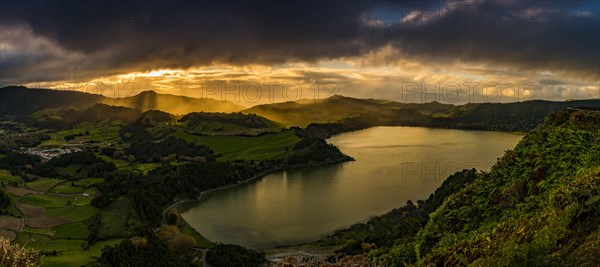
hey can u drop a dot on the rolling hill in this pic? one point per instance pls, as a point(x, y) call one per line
point(345, 113)
point(19, 101)
point(227, 124)
point(337, 108)
point(352, 113)
point(66, 117)
point(174, 104)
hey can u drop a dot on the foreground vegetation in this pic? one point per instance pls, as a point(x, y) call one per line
point(17, 256)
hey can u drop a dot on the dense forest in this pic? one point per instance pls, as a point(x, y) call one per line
point(314, 151)
point(4, 202)
point(151, 193)
point(85, 164)
point(145, 149)
point(234, 255)
point(13, 142)
point(144, 249)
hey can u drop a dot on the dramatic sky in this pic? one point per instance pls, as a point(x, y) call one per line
point(259, 52)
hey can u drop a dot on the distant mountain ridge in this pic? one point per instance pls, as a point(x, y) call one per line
point(175, 104)
point(338, 114)
point(321, 117)
point(337, 107)
point(19, 101)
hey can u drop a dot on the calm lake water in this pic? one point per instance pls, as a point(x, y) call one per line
point(393, 165)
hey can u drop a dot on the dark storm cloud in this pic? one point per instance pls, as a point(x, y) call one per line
point(530, 35)
point(99, 38)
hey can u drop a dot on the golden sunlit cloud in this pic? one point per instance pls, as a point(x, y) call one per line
point(381, 74)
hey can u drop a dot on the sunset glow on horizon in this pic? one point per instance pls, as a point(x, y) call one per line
point(380, 50)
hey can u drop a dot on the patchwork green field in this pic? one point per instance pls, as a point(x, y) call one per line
point(63, 244)
point(133, 167)
point(268, 146)
point(76, 230)
point(67, 188)
point(102, 133)
point(46, 201)
point(88, 181)
point(73, 213)
point(59, 219)
point(69, 251)
point(75, 187)
point(6, 177)
point(43, 184)
point(39, 231)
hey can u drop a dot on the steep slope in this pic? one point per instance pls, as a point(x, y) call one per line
point(539, 205)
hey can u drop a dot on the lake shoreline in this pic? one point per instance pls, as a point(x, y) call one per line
point(261, 175)
point(286, 245)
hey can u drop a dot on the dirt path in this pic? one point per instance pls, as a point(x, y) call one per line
point(34, 216)
point(37, 218)
point(204, 263)
point(21, 191)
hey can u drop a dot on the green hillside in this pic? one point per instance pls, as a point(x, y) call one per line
point(268, 146)
point(539, 205)
point(227, 123)
point(67, 117)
